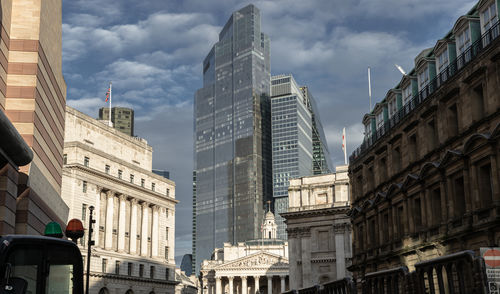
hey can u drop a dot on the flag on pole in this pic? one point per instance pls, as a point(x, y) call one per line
point(107, 95)
point(344, 147)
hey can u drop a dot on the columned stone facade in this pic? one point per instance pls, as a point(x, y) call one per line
point(252, 267)
point(319, 231)
point(134, 208)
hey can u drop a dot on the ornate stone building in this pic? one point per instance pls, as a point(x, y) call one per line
point(425, 181)
point(319, 231)
point(134, 208)
point(256, 266)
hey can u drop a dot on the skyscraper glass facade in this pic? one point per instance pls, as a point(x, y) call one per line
point(232, 123)
point(322, 163)
point(292, 141)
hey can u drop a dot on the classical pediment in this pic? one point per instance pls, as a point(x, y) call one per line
point(259, 260)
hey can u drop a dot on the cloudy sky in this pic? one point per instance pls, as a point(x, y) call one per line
point(152, 50)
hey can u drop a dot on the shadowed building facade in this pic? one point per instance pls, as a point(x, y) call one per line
point(121, 117)
point(232, 144)
point(425, 181)
point(33, 98)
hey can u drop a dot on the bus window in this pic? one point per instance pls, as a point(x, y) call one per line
point(62, 267)
point(25, 263)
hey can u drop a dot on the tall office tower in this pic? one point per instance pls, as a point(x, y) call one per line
point(233, 135)
point(121, 117)
point(292, 141)
point(322, 163)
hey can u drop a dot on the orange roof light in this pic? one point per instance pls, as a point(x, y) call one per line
point(74, 229)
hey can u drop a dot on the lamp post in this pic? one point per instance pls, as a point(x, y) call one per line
point(89, 245)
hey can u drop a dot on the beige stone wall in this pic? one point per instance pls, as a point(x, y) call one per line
point(319, 191)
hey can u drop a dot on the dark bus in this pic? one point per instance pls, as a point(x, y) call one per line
point(39, 265)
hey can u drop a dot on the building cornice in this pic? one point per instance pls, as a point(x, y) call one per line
point(133, 278)
point(117, 160)
point(108, 180)
point(316, 212)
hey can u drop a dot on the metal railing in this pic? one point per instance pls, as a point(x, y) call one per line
point(448, 72)
point(458, 273)
point(461, 272)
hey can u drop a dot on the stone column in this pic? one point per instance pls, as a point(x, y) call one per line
point(339, 230)
point(269, 284)
point(210, 288)
point(306, 258)
point(108, 242)
point(218, 285)
point(244, 287)
point(230, 284)
point(121, 224)
point(256, 288)
point(144, 229)
point(133, 226)
point(154, 232)
point(97, 214)
point(283, 283)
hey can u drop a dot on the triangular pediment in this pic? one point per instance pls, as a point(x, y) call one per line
point(259, 260)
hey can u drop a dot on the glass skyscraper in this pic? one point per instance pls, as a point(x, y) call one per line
point(296, 134)
point(232, 122)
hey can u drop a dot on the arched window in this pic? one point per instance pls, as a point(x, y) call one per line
point(129, 291)
point(104, 290)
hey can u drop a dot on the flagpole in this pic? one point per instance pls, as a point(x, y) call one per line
point(110, 104)
point(370, 89)
point(345, 146)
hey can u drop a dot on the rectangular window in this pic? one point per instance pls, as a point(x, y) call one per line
point(432, 135)
point(402, 221)
point(423, 78)
point(485, 185)
point(407, 95)
point(84, 212)
point(104, 265)
point(383, 169)
point(120, 173)
point(412, 147)
point(380, 120)
point(436, 206)
point(152, 272)
point(167, 273)
point(86, 161)
point(392, 108)
point(168, 192)
point(463, 43)
point(417, 212)
point(143, 181)
point(153, 186)
point(65, 158)
point(372, 231)
point(459, 192)
point(442, 60)
point(453, 120)
point(141, 270)
point(477, 103)
point(117, 267)
point(107, 168)
point(129, 269)
point(166, 252)
point(385, 231)
point(132, 178)
point(396, 159)
point(84, 186)
point(488, 17)
point(166, 233)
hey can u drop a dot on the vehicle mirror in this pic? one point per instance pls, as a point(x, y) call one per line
point(12, 285)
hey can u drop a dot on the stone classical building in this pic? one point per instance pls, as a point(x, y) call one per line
point(319, 231)
point(33, 98)
point(425, 181)
point(256, 266)
point(134, 208)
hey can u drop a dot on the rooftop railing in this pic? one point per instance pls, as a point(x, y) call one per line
point(451, 70)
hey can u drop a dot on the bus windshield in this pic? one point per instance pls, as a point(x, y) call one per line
point(45, 270)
